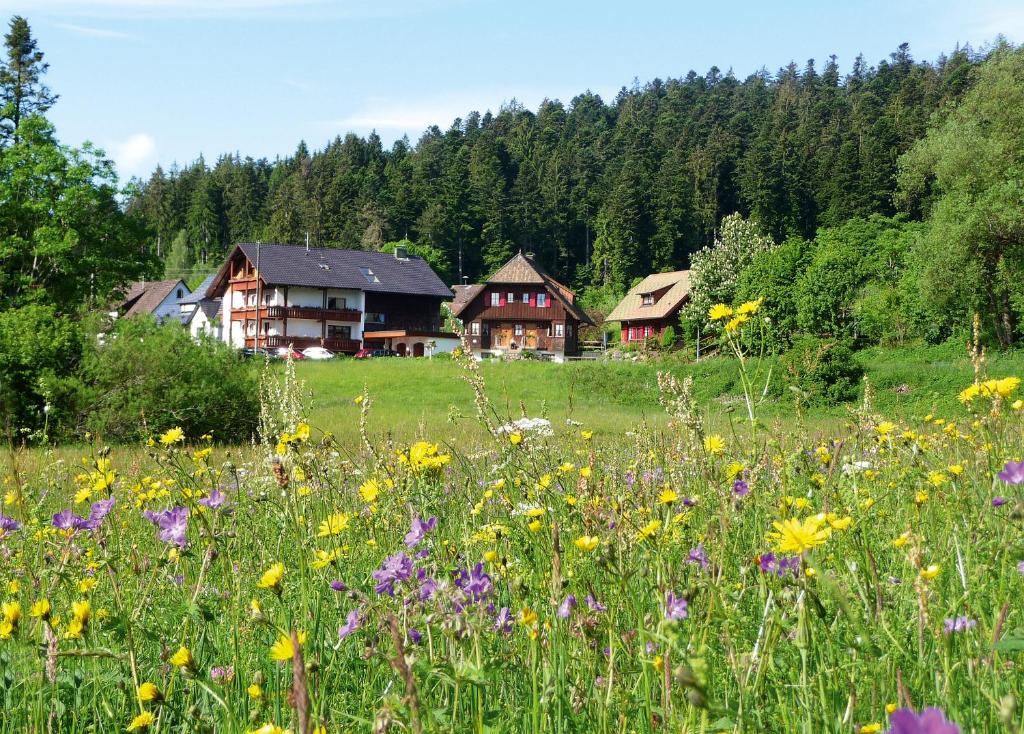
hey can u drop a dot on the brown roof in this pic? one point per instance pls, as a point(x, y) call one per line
point(522, 270)
point(631, 307)
point(144, 296)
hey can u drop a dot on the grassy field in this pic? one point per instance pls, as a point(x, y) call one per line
point(415, 398)
point(665, 573)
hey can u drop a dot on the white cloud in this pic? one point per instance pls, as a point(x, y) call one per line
point(135, 155)
point(96, 32)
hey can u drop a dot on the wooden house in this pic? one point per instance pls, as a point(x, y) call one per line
point(651, 305)
point(520, 308)
point(276, 295)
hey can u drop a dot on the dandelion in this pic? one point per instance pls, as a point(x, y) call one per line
point(369, 491)
point(40, 609)
point(271, 578)
point(255, 691)
point(172, 436)
point(870, 728)
point(649, 530)
point(903, 539)
point(667, 496)
point(283, 650)
point(335, 524)
point(719, 311)
point(147, 692)
point(734, 324)
point(795, 536)
point(183, 659)
point(515, 438)
point(528, 617)
point(930, 572)
point(587, 543)
point(142, 721)
point(714, 445)
point(750, 308)
point(586, 435)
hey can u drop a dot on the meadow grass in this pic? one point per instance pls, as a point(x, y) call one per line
point(647, 570)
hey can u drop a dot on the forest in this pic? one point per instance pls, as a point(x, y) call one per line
point(601, 191)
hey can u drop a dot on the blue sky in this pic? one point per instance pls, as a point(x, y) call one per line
point(165, 80)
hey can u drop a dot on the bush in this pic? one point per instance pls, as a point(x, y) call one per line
point(826, 370)
point(668, 337)
point(142, 379)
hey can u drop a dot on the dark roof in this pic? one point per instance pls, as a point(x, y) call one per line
point(523, 270)
point(143, 297)
point(200, 292)
point(325, 267)
point(209, 306)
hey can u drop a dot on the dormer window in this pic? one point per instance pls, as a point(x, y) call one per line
point(648, 299)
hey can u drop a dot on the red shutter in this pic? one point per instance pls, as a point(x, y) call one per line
point(547, 301)
point(501, 299)
point(533, 300)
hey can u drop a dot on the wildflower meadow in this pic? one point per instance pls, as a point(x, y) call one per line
point(548, 580)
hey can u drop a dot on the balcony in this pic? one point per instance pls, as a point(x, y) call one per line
point(335, 344)
point(426, 324)
point(316, 314)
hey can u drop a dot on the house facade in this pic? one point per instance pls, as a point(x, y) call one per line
point(200, 313)
point(651, 305)
point(520, 308)
point(276, 295)
point(160, 299)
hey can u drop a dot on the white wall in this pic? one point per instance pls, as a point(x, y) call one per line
point(171, 305)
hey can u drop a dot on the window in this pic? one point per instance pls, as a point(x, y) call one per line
point(250, 328)
point(648, 299)
point(336, 303)
point(251, 298)
point(375, 318)
point(559, 331)
point(266, 327)
point(542, 300)
point(337, 331)
point(268, 297)
point(495, 299)
point(368, 274)
point(474, 328)
point(517, 329)
point(511, 298)
point(181, 293)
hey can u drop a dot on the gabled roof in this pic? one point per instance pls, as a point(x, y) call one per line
point(631, 308)
point(210, 308)
point(200, 292)
point(521, 270)
point(144, 296)
point(326, 267)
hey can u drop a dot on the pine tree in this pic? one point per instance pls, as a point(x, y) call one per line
point(22, 91)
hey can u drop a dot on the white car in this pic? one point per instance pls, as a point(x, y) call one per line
point(318, 353)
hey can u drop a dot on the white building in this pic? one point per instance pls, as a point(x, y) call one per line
point(159, 298)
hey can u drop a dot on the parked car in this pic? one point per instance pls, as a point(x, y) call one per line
point(285, 352)
point(250, 352)
point(368, 353)
point(318, 353)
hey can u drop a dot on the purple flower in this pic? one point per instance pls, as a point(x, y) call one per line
point(68, 520)
point(566, 607)
point(428, 587)
point(999, 501)
point(503, 622)
point(338, 586)
point(769, 563)
point(675, 607)
point(689, 502)
point(8, 525)
point(959, 624)
point(414, 636)
point(215, 500)
point(1020, 568)
point(474, 582)
point(698, 555)
point(740, 488)
point(395, 568)
point(173, 525)
point(221, 674)
point(1013, 472)
point(931, 721)
point(351, 624)
point(419, 531)
point(594, 604)
point(98, 512)
point(630, 478)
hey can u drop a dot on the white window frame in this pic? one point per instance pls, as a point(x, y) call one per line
point(542, 300)
point(518, 330)
point(559, 331)
point(495, 298)
point(474, 328)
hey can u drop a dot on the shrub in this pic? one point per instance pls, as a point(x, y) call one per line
point(826, 370)
point(668, 337)
point(143, 378)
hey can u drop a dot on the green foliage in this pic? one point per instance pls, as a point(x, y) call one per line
point(37, 345)
point(771, 275)
point(825, 371)
point(668, 337)
point(22, 92)
point(142, 378)
point(434, 257)
point(967, 171)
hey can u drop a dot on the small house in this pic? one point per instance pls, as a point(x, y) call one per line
point(651, 305)
point(160, 299)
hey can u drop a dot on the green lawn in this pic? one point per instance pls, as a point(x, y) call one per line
point(421, 397)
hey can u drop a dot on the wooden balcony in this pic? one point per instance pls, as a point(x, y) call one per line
point(426, 324)
point(316, 314)
point(335, 344)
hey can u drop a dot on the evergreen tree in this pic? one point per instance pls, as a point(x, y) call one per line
point(22, 92)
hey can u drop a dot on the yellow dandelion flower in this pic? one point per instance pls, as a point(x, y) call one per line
point(535, 526)
point(335, 524)
point(172, 436)
point(515, 438)
point(6, 630)
point(369, 491)
point(587, 543)
point(714, 444)
point(528, 617)
point(585, 472)
point(930, 572)
point(795, 536)
point(271, 578)
point(254, 691)
point(40, 609)
point(650, 529)
point(719, 312)
point(147, 692)
point(736, 322)
point(11, 611)
point(81, 610)
point(142, 721)
point(870, 728)
point(750, 307)
point(182, 658)
point(283, 649)
point(667, 496)
point(586, 435)
point(902, 540)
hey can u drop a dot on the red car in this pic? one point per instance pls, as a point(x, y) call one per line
point(368, 353)
point(283, 353)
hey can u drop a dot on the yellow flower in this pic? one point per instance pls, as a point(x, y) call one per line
point(885, 428)
point(148, 692)
point(839, 523)
point(283, 649)
point(735, 323)
point(11, 612)
point(322, 558)
point(750, 307)
point(719, 311)
point(254, 691)
point(733, 470)
point(490, 556)
point(424, 457)
point(930, 572)
point(585, 472)
point(369, 491)
point(81, 610)
point(270, 729)
point(271, 578)
point(172, 436)
point(795, 536)
point(40, 609)
point(301, 432)
point(535, 512)
point(870, 729)
point(936, 478)
point(921, 497)
point(182, 658)
point(74, 630)
point(955, 469)
point(335, 524)
point(142, 721)
point(902, 540)
point(6, 630)
point(515, 438)
point(527, 617)
point(87, 584)
point(650, 529)
point(587, 543)
point(535, 526)
point(714, 444)
point(13, 586)
point(890, 708)
point(667, 496)
point(586, 435)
